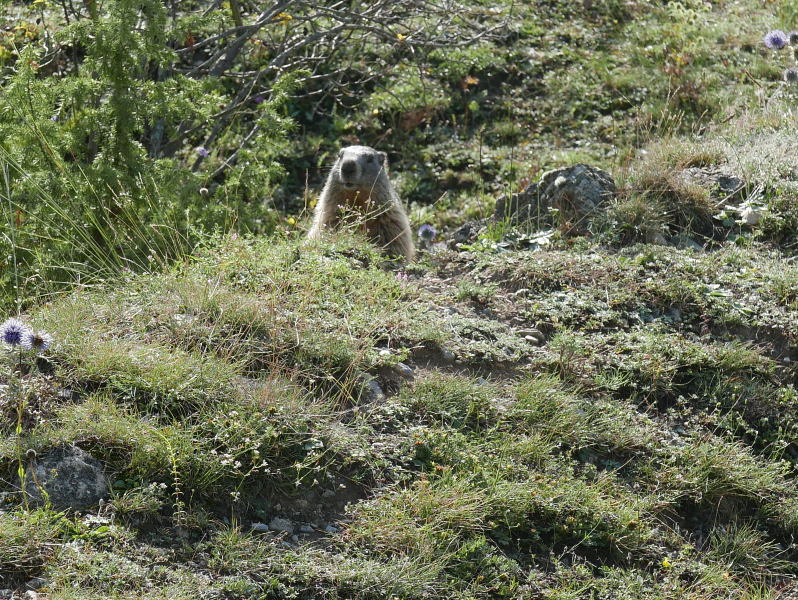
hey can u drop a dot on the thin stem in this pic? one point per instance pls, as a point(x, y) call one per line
point(12, 227)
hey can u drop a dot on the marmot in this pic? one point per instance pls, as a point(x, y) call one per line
point(358, 190)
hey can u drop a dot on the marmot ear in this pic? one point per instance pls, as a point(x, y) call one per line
point(383, 158)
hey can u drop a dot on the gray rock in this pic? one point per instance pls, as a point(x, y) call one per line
point(751, 216)
point(576, 192)
point(331, 529)
point(68, 478)
point(282, 525)
point(721, 186)
point(532, 335)
point(37, 583)
point(260, 527)
point(685, 242)
point(403, 370)
point(306, 529)
point(447, 355)
point(656, 238)
point(373, 391)
point(469, 232)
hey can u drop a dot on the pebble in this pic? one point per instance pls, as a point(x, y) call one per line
point(751, 216)
point(404, 370)
point(260, 527)
point(37, 583)
point(374, 391)
point(447, 356)
point(306, 529)
point(531, 333)
point(331, 529)
point(282, 525)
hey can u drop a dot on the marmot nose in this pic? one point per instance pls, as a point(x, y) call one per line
point(348, 167)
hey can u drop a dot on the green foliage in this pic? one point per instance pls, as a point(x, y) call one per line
point(91, 184)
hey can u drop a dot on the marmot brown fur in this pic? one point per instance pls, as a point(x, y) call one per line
point(358, 191)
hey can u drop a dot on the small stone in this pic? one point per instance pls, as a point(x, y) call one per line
point(331, 529)
point(259, 527)
point(37, 583)
point(530, 332)
point(404, 370)
point(306, 529)
point(282, 525)
point(295, 538)
point(656, 238)
point(685, 242)
point(751, 216)
point(447, 356)
point(373, 391)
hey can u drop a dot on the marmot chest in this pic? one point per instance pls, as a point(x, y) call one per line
point(358, 199)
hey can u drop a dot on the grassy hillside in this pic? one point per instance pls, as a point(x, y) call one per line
point(608, 416)
point(645, 450)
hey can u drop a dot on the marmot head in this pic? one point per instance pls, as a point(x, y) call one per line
point(359, 166)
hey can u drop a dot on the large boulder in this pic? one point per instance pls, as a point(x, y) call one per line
point(575, 192)
point(68, 478)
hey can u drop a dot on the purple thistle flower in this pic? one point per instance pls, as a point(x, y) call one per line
point(54, 118)
point(37, 340)
point(403, 278)
point(791, 75)
point(258, 99)
point(13, 332)
point(776, 39)
point(427, 232)
point(202, 151)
